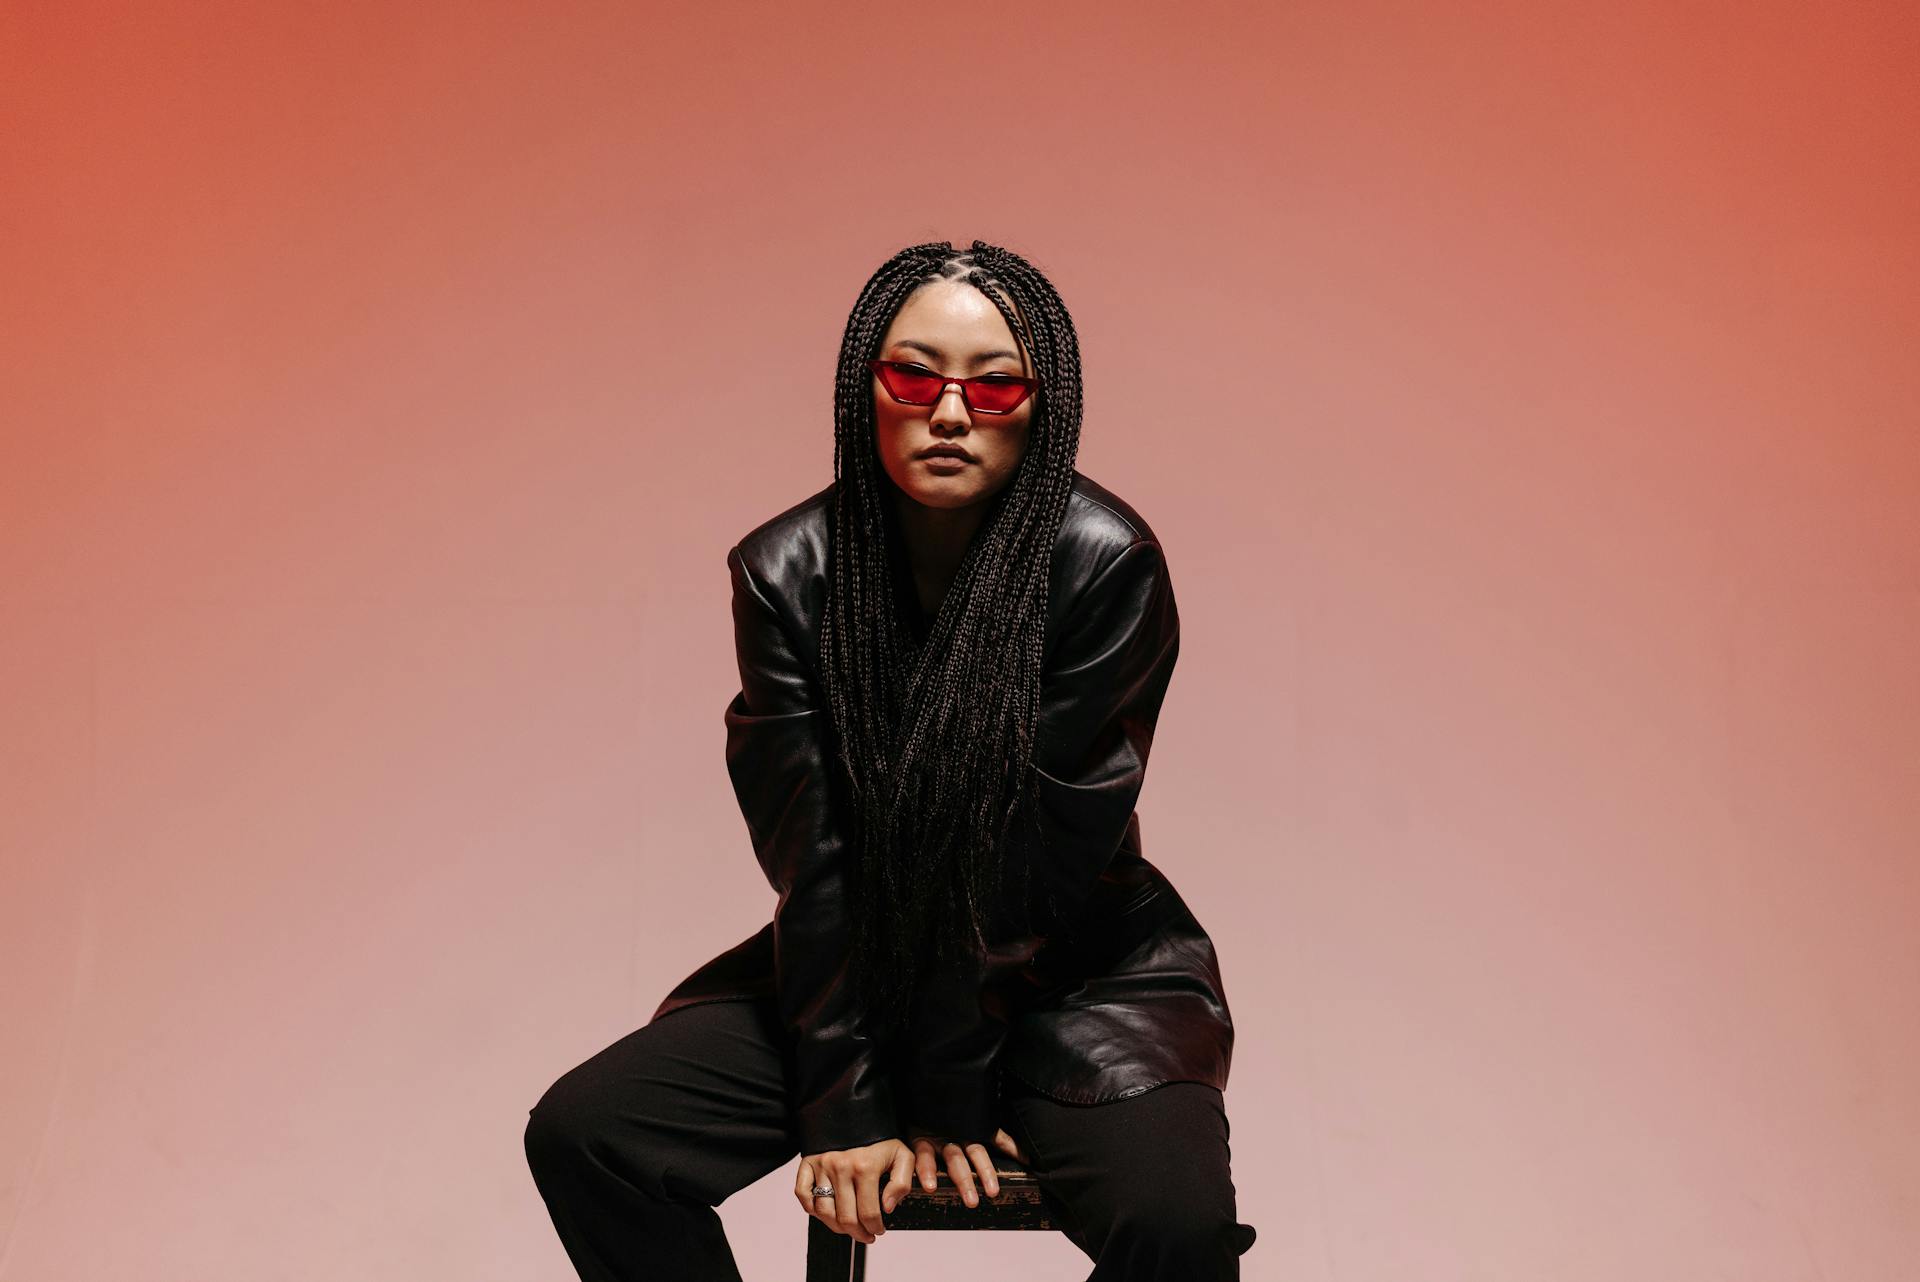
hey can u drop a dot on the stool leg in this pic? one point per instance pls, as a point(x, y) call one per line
point(834, 1257)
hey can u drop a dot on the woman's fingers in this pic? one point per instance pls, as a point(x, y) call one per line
point(925, 1163)
point(969, 1166)
point(843, 1207)
point(983, 1162)
point(803, 1185)
point(899, 1180)
point(960, 1173)
point(866, 1201)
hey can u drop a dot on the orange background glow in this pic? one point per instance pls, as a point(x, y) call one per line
point(1526, 397)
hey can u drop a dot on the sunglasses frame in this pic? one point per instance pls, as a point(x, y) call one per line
point(882, 368)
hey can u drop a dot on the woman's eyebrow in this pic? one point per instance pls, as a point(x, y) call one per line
point(939, 355)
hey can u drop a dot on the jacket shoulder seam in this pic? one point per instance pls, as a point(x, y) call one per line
point(782, 521)
point(1118, 515)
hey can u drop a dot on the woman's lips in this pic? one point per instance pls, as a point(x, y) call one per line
point(945, 461)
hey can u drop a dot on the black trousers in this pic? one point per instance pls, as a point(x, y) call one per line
point(632, 1150)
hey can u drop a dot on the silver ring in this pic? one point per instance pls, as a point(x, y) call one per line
point(823, 1190)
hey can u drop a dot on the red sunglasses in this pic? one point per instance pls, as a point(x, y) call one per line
point(988, 394)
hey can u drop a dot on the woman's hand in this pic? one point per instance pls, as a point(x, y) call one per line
point(857, 1201)
point(962, 1161)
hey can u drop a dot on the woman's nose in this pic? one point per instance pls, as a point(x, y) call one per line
point(951, 407)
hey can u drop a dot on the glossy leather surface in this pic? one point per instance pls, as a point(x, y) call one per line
point(1117, 991)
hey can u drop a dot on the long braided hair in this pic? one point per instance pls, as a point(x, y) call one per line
point(936, 732)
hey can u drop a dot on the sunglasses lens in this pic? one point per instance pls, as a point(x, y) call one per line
point(911, 387)
point(996, 398)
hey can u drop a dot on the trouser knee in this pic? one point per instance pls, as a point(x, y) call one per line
point(557, 1131)
point(569, 1130)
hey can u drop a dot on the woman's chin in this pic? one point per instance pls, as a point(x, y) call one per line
point(943, 491)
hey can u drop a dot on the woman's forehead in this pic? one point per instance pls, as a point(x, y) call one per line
point(954, 323)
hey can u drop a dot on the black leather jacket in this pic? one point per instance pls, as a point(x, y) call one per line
point(1119, 989)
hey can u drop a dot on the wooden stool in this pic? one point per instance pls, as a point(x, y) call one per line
point(835, 1257)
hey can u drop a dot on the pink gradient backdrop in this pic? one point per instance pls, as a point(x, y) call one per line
point(1525, 395)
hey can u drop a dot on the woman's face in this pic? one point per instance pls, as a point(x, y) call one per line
point(951, 328)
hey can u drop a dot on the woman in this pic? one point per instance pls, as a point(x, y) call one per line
point(951, 662)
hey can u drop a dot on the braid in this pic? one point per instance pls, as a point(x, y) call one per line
point(935, 736)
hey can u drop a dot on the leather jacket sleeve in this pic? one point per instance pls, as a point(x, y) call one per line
point(779, 758)
point(1099, 701)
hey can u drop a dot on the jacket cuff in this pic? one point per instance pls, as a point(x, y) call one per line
point(865, 1115)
